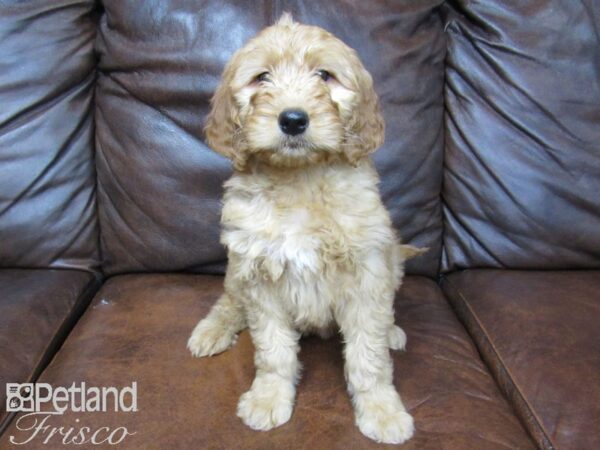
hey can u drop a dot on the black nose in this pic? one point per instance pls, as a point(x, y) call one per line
point(293, 121)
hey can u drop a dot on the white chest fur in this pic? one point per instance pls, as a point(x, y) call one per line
point(302, 224)
point(302, 235)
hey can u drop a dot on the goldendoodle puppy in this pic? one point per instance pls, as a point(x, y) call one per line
point(309, 241)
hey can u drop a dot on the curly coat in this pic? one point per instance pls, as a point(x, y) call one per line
point(310, 243)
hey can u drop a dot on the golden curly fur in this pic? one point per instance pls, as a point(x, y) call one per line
point(310, 244)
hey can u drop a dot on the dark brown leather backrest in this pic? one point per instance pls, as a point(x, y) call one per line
point(160, 62)
point(522, 178)
point(47, 179)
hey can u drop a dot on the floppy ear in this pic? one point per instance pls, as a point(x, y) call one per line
point(222, 123)
point(366, 127)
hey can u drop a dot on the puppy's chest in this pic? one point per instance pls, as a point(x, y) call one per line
point(290, 236)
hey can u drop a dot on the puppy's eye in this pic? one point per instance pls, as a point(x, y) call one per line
point(325, 76)
point(262, 77)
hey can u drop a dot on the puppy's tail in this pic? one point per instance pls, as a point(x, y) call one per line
point(402, 253)
point(408, 251)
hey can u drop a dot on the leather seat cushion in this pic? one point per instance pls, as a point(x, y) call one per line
point(136, 330)
point(538, 331)
point(37, 309)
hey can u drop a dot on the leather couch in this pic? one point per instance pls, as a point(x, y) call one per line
point(109, 218)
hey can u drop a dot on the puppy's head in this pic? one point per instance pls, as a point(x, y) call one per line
point(294, 95)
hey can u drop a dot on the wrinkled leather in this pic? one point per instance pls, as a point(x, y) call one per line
point(47, 179)
point(37, 309)
point(520, 190)
point(538, 332)
point(136, 330)
point(522, 152)
point(160, 62)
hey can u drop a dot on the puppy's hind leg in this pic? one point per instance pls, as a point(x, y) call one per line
point(218, 330)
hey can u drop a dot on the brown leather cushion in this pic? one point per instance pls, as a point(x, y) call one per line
point(137, 328)
point(37, 309)
point(159, 184)
point(522, 159)
point(47, 176)
point(539, 333)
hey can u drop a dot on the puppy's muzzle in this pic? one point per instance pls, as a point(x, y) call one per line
point(293, 121)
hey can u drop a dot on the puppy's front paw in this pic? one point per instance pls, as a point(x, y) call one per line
point(266, 406)
point(383, 419)
point(210, 337)
point(397, 338)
